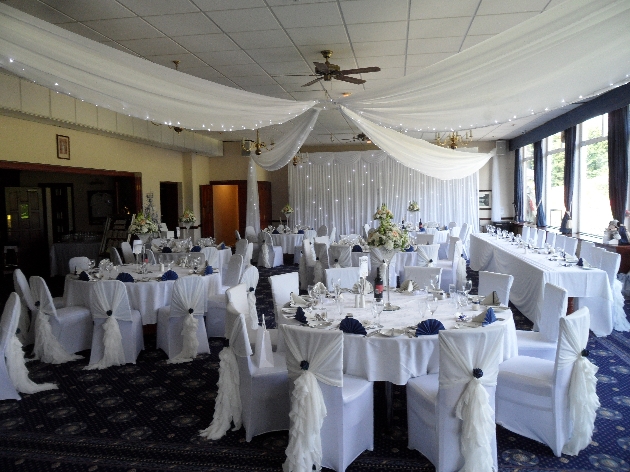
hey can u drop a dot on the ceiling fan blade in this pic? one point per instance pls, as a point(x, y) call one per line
point(321, 68)
point(296, 75)
point(312, 82)
point(361, 70)
point(352, 80)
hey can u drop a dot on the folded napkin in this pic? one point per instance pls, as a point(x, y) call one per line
point(300, 231)
point(166, 250)
point(367, 287)
point(491, 300)
point(357, 248)
point(409, 286)
point(300, 316)
point(351, 326)
point(84, 276)
point(489, 318)
point(124, 277)
point(410, 249)
point(297, 300)
point(430, 326)
point(580, 262)
point(275, 231)
point(208, 271)
point(320, 287)
point(222, 246)
point(196, 249)
point(170, 275)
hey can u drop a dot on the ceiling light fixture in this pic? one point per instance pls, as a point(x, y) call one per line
point(247, 144)
point(453, 139)
point(362, 137)
point(300, 158)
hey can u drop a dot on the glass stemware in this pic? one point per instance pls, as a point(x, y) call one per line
point(378, 309)
point(432, 305)
point(467, 287)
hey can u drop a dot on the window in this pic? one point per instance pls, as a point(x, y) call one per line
point(529, 195)
point(554, 159)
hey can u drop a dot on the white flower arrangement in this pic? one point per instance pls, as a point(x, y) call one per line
point(287, 210)
point(142, 224)
point(408, 226)
point(388, 235)
point(383, 213)
point(413, 206)
point(188, 217)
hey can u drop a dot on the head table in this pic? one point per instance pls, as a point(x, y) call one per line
point(396, 359)
point(146, 294)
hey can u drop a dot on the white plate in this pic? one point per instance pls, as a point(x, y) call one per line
point(391, 332)
point(320, 324)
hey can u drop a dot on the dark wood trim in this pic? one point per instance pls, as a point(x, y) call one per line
point(64, 169)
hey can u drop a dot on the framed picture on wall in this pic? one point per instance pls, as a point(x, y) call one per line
point(485, 199)
point(63, 147)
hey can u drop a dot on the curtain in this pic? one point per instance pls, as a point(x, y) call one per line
point(252, 211)
point(570, 150)
point(518, 187)
point(344, 189)
point(539, 184)
point(495, 211)
point(618, 161)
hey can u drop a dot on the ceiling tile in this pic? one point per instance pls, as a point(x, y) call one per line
point(554, 3)
point(271, 90)
point(185, 24)
point(241, 70)
point(286, 54)
point(318, 35)
point(207, 43)
point(387, 31)
point(424, 60)
point(291, 2)
point(39, 10)
point(157, 7)
point(154, 46)
point(341, 51)
point(82, 11)
point(385, 73)
point(373, 11)
point(496, 7)
point(438, 28)
point(307, 15)
point(494, 24)
point(470, 40)
point(284, 68)
point(204, 72)
point(261, 39)
point(308, 95)
point(124, 28)
point(433, 45)
point(120, 47)
point(225, 81)
point(187, 62)
point(424, 9)
point(248, 20)
point(225, 58)
point(384, 62)
point(215, 5)
point(379, 48)
point(81, 29)
point(248, 80)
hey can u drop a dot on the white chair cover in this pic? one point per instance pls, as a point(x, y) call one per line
point(525, 234)
point(114, 256)
point(541, 234)
point(422, 275)
point(551, 239)
point(211, 254)
point(492, 282)
point(78, 264)
point(307, 263)
point(333, 235)
point(321, 252)
point(609, 263)
point(464, 236)
point(453, 271)
point(281, 288)
point(424, 238)
point(347, 277)
point(322, 230)
point(451, 225)
point(426, 253)
point(311, 356)
point(570, 245)
point(125, 247)
point(234, 271)
point(27, 308)
point(250, 277)
point(560, 242)
point(250, 234)
point(47, 347)
point(238, 303)
point(452, 247)
point(586, 247)
point(13, 373)
point(217, 304)
point(269, 255)
point(340, 255)
point(245, 249)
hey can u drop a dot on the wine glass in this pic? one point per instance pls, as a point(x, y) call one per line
point(91, 264)
point(467, 287)
point(378, 308)
point(432, 305)
point(422, 306)
point(452, 291)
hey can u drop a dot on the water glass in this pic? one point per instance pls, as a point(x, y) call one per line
point(378, 308)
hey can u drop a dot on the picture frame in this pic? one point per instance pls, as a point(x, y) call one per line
point(485, 199)
point(63, 147)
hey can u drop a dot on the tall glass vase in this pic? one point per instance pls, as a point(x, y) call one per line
point(386, 255)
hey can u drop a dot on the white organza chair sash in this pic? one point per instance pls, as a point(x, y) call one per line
point(340, 254)
point(109, 295)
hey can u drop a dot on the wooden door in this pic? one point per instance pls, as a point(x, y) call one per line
point(207, 213)
point(169, 207)
point(25, 228)
point(264, 203)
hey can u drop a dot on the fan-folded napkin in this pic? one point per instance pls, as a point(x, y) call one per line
point(428, 327)
point(124, 277)
point(352, 326)
point(169, 275)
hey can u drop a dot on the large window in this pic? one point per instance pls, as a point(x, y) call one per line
point(554, 158)
point(529, 195)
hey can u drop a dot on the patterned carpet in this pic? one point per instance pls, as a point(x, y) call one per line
point(145, 417)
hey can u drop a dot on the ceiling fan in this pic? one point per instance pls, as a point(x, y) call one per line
point(327, 71)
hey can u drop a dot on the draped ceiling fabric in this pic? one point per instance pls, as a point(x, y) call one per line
point(104, 76)
point(525, 70)
point(344, 189)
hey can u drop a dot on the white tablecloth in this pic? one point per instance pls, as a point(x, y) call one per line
point(288, 242)
point(397, 359)
point(441, 236)
point(146, 297)
point(61, 253)
point(532, 271)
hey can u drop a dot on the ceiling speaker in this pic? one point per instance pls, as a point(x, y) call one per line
point(502, 147)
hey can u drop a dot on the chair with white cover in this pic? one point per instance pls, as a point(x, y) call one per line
point(464, 237)
point(570, 246)
point(424, 238)
point(181, 331)
point(114, 256)
point(552, 402)
point(525, 234)
point(127, 253)
point(377, 261)
point(427, 253)
point(541, 234)
point(347, 277)
point(13, 371)
point(26, 325)
point(551, 239)
point(78, 264)
point(117, 337)
point(609, 263)
point(453, 265)
point(339, 255)
point(250, 277)
point(322, 230)
point(423, 275)
point(211, 254)
point(493, 282)
point(217, 304)
point(452, 224)
point(450, 415)
point(59, 333)
point(560, 242)
point(281, 288)
point(244, 248)
point(269, 255)
point(586, 247)
point(252, 237)
point(321, 260)
point(333, 235)
point(332, 419)
point(307, 263)
point(543, 343)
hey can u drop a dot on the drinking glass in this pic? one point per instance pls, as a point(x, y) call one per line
point(433, 306)
point(422, 306)
point(452, 290)
point(378, 308)
point(468, 287)
point(91, 264)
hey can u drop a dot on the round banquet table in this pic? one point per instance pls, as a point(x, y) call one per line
point(145, 296)
point(61, 253)
point(397, 359)
point(287, 241)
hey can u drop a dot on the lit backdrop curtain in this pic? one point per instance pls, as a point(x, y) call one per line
point(618, 161)
point(344, 189)
point(518, 187)
point(539, 183)
point(495, 211)
point(252, 212)
point(570, 149)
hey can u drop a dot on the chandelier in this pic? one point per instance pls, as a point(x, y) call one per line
point(362, 137)
point(453, 139)
point(300, 158)
point(248, 144)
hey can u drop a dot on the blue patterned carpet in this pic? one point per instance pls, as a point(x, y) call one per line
point(145, 417)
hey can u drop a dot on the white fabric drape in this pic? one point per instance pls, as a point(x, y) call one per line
point(188, 301)
point(495, 212)
point(524, 70)
point(106, 77)
point(430, 159)
point(252, 212)
point(344, 189)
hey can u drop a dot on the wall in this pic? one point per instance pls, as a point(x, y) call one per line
point(506, 178)
point(225, 208)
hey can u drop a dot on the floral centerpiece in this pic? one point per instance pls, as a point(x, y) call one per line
point(287, 209)
point(413, 206)
point(383, 213)
point(188, 216)
point(142, 226)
